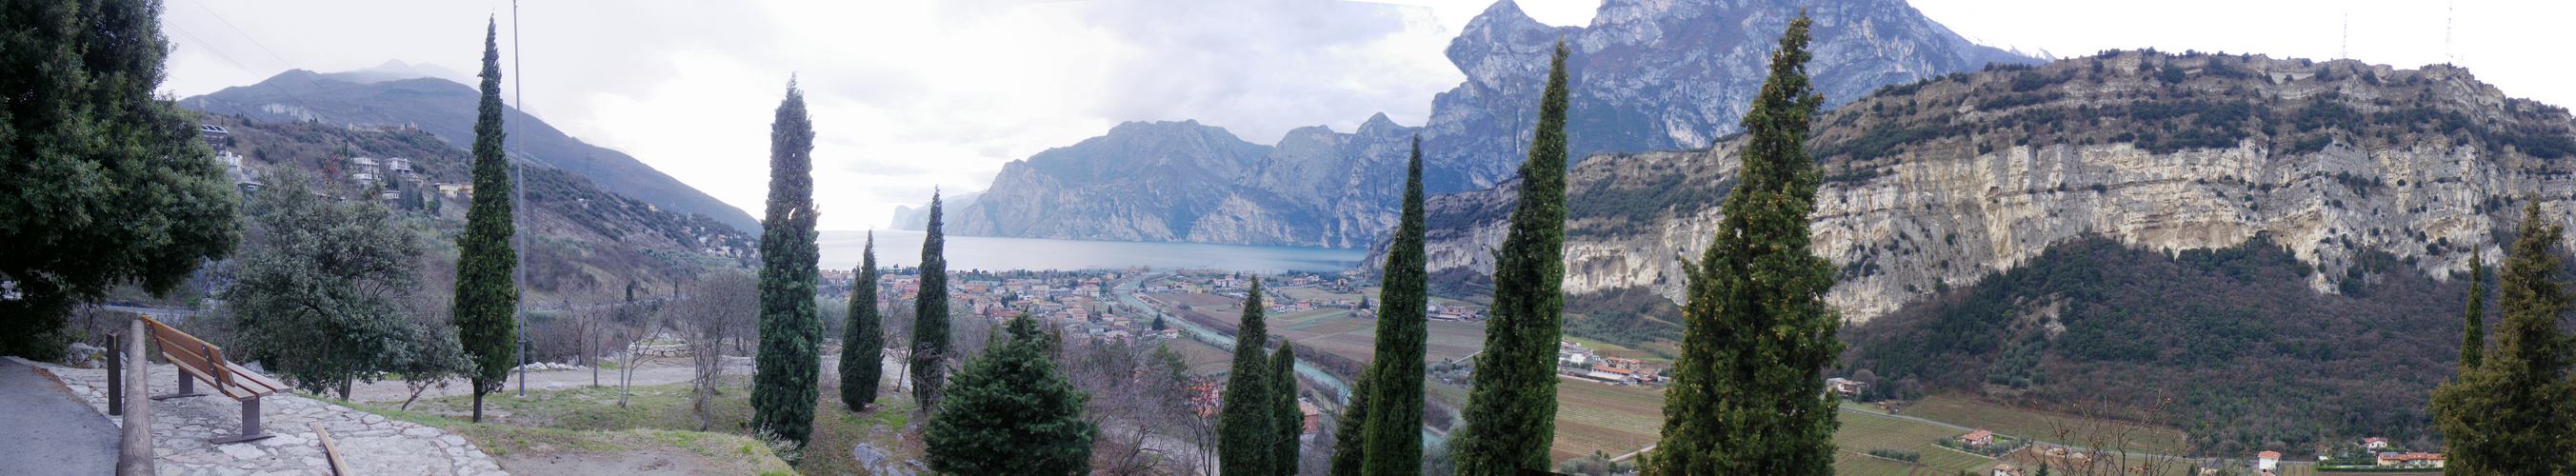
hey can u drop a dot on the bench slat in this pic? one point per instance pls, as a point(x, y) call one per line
point(202, 361)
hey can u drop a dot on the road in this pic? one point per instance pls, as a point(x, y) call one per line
point(47, 430)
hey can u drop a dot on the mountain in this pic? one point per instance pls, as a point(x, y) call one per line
point(912, 218)
point(2271, 244)
point(1939, 183)
point(445, 108)
point(1648, 75)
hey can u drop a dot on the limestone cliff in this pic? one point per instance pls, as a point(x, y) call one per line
point(1940, 182)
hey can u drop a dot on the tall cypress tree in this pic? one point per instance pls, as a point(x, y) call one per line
point(791, 332)
point(862, 347)
point(2509, 415)
point(1350, 432)
point(1244, 424)
point(1748, 394)
point(1395, 426)
point(2473, 339)
point(930, 315)
point(486, 297)
point(1511, 413)
point(1286, 421)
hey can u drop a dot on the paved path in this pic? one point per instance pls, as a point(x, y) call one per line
point(47, 429)
point(370, 443)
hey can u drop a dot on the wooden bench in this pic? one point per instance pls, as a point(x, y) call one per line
point(198, 360)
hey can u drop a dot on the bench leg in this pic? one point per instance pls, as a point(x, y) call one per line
point(187, 387)
point(250, 425)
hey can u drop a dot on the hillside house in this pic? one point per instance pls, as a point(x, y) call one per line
point(2267, 461)
point(1844, 386)
point(1977, 438)
point(2392, 459)
point(2006, 469)
point(2374, 443)
point(214, 135)
point(398, 166)
point(1313, 416)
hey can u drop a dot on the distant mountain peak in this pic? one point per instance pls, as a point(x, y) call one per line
point(395, 69)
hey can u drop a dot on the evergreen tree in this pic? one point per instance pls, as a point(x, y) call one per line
point(862, 340)
point(1511, 413)
point(1286, 420)
point(1243, 425)
point(791, 332)
point(2509, 415)
point(1748, 394)
point(1350, 440)
point(930, 315)
point(1011, 413)
point(327, 286)
point(2473, 342)
point(101, 184)
point(487, 299)
point(1395, 431)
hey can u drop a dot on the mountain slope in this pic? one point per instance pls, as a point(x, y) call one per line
point(1648, 75)
point(446, 109)
point(1939, 183)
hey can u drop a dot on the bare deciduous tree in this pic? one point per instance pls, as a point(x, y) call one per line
point(717, 314)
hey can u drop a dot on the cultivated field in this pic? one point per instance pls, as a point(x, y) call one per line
point(2046, 427)
point(1863, 432)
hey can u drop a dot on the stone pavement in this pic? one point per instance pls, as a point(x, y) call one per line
point(47, 430)
point(370, 443)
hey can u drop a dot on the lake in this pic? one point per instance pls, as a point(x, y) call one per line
point(841, 251)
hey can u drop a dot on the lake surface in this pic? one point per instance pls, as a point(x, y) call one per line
point(841, 251)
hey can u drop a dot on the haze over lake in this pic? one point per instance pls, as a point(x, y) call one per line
point(841, 251)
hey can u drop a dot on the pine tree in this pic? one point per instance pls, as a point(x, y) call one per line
point(1395, 429)
point(1511, 413)
point(862, 350)
point(1286, 421)
point(1011, 413)
point(2473, 341)
point(101, 183)
point(791, 333)
point(486, 297)
point(2508, 416)
point(1350, 440)
point(1243, 425)
point(930, 315)
point(1748, 394)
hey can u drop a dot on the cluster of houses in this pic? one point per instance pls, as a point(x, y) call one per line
point(1574, 360)
point(1080, 305)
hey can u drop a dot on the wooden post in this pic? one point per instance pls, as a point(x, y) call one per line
point(134, 452)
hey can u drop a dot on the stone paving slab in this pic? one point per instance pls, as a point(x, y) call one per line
point(370, 443)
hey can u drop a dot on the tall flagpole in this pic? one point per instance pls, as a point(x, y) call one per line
point(519, 200)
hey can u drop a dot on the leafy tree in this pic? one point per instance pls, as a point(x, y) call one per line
point(1395, 427)
point(930, 315)
point(791, 333)
point(1243, 426)
point(2473, 340)
point(862, 358)
point(328, 284)
point(1285, 419)
point(1748, 393)
point(1350, 442)
point(2508, 416)
point(1511, 413)
point(104, 184)
point(486, 297)
point(1011, 413)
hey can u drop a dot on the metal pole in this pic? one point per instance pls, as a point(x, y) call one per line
point(519, 247)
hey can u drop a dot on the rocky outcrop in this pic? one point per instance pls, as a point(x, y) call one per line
point(2331, 160)
point(1648, 75)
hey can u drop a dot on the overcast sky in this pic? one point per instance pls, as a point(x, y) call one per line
point(907, 95)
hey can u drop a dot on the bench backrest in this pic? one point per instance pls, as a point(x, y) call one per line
point(190, 353)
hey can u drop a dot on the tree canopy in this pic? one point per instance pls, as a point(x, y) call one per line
point(1011, 412)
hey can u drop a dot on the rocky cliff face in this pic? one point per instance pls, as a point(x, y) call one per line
point(1938, 183)
point(1648, 75)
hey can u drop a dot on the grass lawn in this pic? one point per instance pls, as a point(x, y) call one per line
point(2045, 426)
point(838, 429)
point(1864, 432)
point(715, 452)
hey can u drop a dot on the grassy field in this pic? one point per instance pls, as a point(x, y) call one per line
point(1609, 419)
point(2044, 426)
point(586, 424)
point(1864, 432)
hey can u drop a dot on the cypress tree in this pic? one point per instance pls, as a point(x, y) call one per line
point(862, 350)
point(2473, 341)
point(1350, 440)
point(1011, 413)
point(791, 331)
point(930, 315)
point(1511, 413)
point(1395, 429)
point(1243, 425)
point(486, 297)
point(2508, 416)
point(1748, 395)
point(1286, 419)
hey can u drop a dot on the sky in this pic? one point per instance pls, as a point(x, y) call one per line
point(916, 94)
